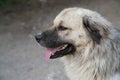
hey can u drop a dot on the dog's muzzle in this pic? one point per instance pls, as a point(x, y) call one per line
point(55, 47)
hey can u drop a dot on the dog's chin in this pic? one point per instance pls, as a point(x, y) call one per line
point(61, 50)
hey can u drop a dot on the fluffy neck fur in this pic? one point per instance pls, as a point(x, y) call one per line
point(99, 62)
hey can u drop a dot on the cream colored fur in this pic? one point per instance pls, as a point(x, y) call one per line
point(90, 61)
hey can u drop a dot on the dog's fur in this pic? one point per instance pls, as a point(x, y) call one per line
point(97, 43)
point(94, 59)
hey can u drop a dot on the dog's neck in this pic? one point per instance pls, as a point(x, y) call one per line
point(96, 65)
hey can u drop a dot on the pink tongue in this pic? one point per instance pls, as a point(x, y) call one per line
point(49, 52)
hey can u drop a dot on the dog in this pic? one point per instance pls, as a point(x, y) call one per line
point(87, 43)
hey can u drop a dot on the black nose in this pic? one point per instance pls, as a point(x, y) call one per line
point(38, 37)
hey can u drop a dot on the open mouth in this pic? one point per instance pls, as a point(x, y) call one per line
point(52, 53)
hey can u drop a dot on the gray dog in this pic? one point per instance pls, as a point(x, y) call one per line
point(86, 42)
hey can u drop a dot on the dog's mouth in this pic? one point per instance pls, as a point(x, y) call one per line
point(62, 50)
point(55, 47)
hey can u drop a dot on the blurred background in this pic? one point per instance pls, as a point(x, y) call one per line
point(21, 58)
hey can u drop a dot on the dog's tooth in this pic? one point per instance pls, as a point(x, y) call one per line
point(64, 46)
point(52, 54)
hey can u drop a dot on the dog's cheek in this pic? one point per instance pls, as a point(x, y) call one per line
point(64, 34)
point(68, 36)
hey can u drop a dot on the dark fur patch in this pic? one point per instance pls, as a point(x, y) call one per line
point(93, 31)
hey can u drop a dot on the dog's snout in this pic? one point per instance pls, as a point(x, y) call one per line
point(38, 37)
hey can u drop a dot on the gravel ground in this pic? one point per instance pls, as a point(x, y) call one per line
point(21, 58)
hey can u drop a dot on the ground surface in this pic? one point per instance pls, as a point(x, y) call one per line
point(21, 58)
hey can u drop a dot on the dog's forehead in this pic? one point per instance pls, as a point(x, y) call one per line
point(68, 17)
point(74, 16)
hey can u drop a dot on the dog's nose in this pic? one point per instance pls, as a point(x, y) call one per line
point(38, 37)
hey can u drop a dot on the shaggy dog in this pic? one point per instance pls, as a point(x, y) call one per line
point(87, 43)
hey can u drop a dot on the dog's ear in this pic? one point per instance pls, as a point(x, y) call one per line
point(94, 29)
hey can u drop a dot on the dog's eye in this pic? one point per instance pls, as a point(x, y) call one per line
point(62, 28)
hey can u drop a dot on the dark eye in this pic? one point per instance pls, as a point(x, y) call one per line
point(62, 28)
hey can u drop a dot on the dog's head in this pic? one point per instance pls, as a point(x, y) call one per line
point(73, 28)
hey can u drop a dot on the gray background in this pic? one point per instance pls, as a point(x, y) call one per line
point(21, 58)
